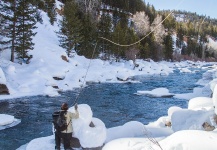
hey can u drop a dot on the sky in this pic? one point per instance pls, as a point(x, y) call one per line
point(201, 7)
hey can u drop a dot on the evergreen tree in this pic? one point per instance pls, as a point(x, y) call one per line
point(145, 51)
point(153, 47)
point(50, 8)
point(26, 21)
point(104, 30)
point(118, 36)
point(70, 28)
point(8, 25)
point(168, 47)
point(87, 45)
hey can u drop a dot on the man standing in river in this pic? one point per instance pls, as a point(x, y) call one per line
point(66, 134)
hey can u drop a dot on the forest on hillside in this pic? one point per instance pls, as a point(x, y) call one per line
point(86, 24)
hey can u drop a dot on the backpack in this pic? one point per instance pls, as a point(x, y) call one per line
point(59, 121)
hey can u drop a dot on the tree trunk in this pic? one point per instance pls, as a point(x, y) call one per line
point(13, 30)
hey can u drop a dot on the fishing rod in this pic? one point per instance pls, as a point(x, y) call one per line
point(85, 76)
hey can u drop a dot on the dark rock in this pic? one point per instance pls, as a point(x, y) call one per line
point(64, 58)
point(55, 87)
point(58, 78)
point(91, 125)
point(119, 79)
point(208, 127)
point(4, 90)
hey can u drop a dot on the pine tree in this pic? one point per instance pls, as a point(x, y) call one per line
point(26, 22)
point(50, 8)
point(70, 28)
point(87, 45)
point(145, 51)
point(118, 36)
point(153, 47)
point(104, 30)
point(8, 25)
point(168, 47)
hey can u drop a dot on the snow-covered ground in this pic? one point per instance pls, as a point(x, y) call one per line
point(37, 78)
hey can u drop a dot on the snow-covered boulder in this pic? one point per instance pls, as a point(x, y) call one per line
point(129, 129)
point(3, 88)
point(7, 121)
point(158, 92)
point(190, 119)
point(189, 140)
point(43, 143)
point(92, 137)
point(200, 103)
point(123, 76)
point(89, 137)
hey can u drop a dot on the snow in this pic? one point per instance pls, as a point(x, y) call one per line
point(2, 77)
point(200, 103)
point(6, 119)
point(158, 92)
point(37, 78)
point(212, 44)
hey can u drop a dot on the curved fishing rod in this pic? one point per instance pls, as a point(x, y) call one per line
point(153, 140)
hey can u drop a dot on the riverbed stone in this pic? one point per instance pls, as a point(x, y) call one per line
point(4, 90)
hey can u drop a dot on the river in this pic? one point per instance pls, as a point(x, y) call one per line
point(113, 103)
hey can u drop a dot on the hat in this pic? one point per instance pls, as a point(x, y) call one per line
point(64, 106)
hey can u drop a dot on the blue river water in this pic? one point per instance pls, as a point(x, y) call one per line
point(113, 103)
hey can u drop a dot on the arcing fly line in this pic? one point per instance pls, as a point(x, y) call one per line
point(149, 137)
point(144, 36)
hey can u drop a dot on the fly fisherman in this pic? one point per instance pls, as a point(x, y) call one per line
point(66, 133)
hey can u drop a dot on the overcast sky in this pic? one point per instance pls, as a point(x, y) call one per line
point(201, 7)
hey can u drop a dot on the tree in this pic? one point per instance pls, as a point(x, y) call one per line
point(104, 30)
point(87, 45)
point(89, 7)
point(26, 22)
point(168, 47)
point(70, 28)
point(8, 25)
point(158, 33)
point(158, 29)
point(50, 5)
point(141, 23)
point(118, 36)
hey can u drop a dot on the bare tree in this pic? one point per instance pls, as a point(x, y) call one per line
point(88, 6)
point(131, 54)
point(158, 29)
point(141, 23)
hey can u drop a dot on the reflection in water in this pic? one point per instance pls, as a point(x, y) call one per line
point(114, 104)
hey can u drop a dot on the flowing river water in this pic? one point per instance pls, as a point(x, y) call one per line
point(113, 103)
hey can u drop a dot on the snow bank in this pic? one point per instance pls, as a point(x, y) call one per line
point(198, 103)
point(190, 140)
point(190, 119)
point(130, 129)
point(43, 143)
